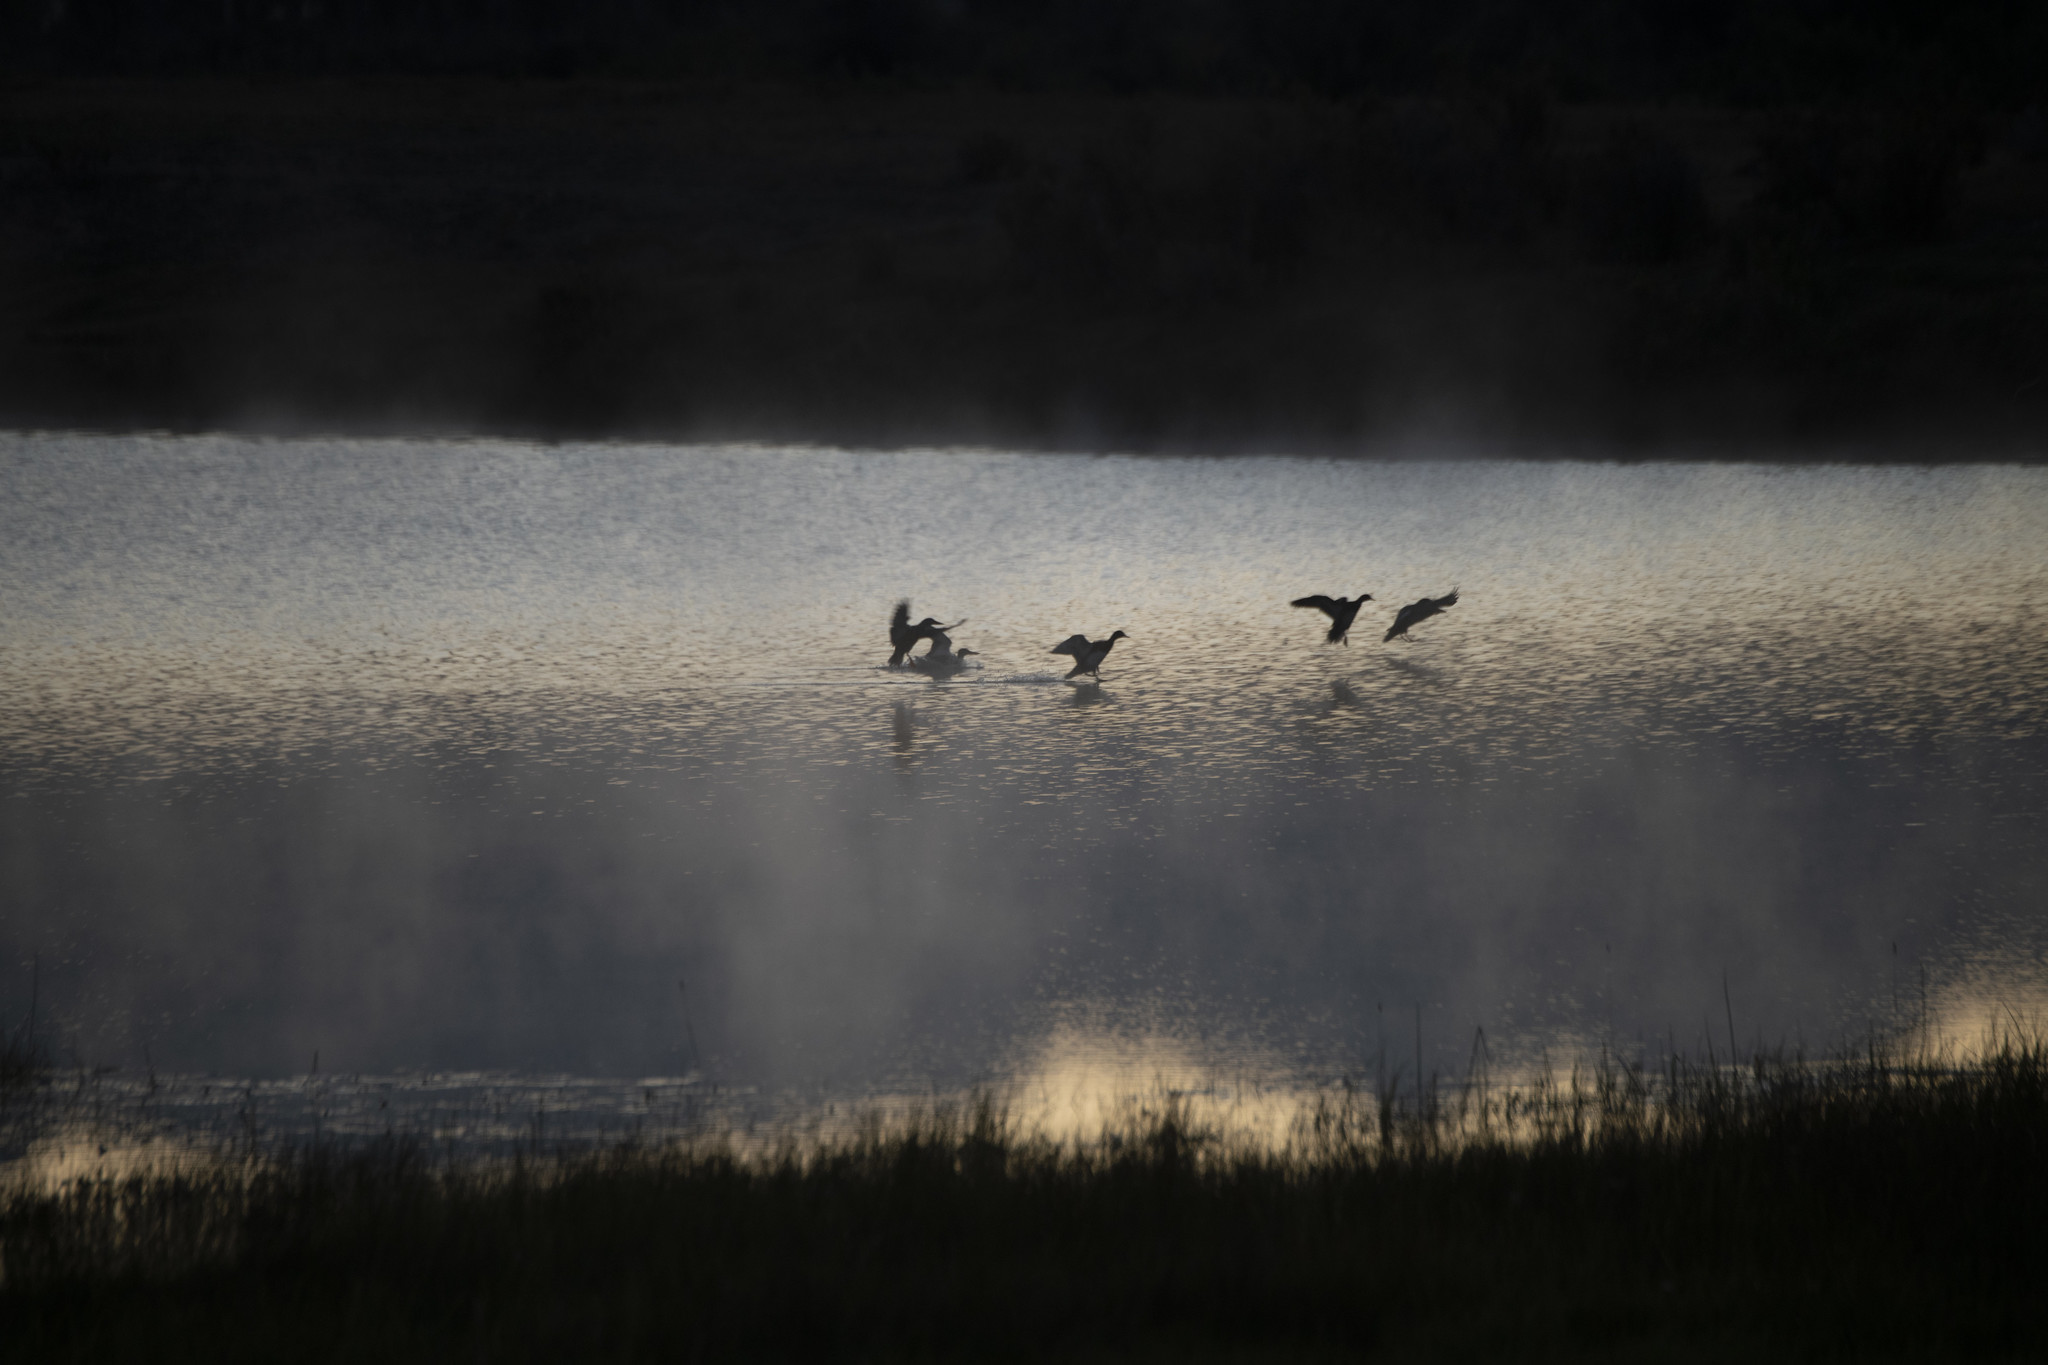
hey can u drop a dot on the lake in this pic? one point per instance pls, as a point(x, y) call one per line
point(581, 761)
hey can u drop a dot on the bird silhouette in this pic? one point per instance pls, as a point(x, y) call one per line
point(1416, 612)
point(903, 635)
point(1342, 611)
point(941, 660)
point(1088, 654)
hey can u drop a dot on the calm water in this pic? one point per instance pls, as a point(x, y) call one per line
point(462, 756)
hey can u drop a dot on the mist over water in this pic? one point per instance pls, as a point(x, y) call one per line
point(459, 756)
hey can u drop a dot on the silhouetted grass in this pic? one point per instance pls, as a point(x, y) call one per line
point(1867, 1208)
point(24, 1054)
point(23, 1061)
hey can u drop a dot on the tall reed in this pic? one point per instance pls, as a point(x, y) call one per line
point(1876, 1205)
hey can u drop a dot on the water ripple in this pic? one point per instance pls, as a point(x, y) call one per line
point(1713, 709)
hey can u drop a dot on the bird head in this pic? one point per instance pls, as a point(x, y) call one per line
point(963, 653)
point(1119, 635)
point(928, 621)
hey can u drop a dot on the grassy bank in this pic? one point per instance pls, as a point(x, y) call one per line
point(1863, 1210)
point(853, 262)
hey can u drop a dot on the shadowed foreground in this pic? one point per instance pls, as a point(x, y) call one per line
point(1858, 1211)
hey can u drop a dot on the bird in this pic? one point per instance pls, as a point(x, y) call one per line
point(1341, 611)
point(941, 660)
point(903, 635)
point(1088, 654)
point(1416, 612)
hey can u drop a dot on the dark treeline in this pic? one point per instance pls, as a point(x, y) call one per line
point(1979, 52)
point(1210, 224)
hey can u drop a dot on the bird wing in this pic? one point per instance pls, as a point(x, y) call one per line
point(1319, 602)
point(901, 636)
point(1076, 645)
point(1451, 600)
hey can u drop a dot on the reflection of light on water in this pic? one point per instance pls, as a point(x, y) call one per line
point(169, 612)
point(80, 1153)
point(113, 1124)
point(470, 751)
point(1081, 1081)
point(1973, 1018)
point(1082, 1088)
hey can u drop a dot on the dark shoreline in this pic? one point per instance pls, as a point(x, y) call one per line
point(880, 266)
point(1878, 1207)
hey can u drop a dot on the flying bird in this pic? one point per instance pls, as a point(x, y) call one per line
point(1342, 611)
point(1088, 654)
point(1416, 612)
point(903, 635)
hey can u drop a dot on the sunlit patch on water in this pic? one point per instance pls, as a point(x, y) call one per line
point(1077, 1084)
point(80, 1153)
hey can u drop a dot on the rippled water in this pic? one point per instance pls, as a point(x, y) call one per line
point(462, 755)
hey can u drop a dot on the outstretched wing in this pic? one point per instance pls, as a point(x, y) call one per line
point(1450, 600)
point(1076, 645)
point(1319, 602)
point(900, 633)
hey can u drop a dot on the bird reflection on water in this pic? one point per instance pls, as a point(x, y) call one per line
point(1420, 669)
point(903, 731)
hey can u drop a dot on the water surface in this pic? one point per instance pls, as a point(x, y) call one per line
point(462, 756)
